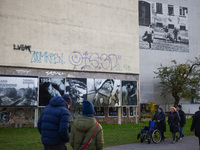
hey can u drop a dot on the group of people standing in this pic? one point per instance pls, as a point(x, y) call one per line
point(176, 121)
point(86, 132)
point(54, 126)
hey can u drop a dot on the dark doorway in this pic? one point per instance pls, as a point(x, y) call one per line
point(144, 13)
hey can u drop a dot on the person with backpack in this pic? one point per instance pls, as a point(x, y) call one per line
point(182, 120)
point(173, 121)
point(86, 131)
point(196, 125)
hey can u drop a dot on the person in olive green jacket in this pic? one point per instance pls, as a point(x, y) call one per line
point(87, 122)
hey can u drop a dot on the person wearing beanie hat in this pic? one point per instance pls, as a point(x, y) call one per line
point(84, 128)
point(159, 117)
point(87, 109)
point(68, 99)
point(182, 120)
point(173, 121)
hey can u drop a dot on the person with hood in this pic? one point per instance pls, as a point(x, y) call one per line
point(86, 131)
point(54, 123)
point(159, 117)
point(196, 125)
point(182, 120)
point(173, 121)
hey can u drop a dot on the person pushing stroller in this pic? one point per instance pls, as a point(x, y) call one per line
point(159, 117)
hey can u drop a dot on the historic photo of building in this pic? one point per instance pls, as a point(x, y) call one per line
point(77, 89)
point(18, 91)
point(104, 92)
point(50, 87)
point(163, 26)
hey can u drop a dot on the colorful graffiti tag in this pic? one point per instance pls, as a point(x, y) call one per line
point(5, 117)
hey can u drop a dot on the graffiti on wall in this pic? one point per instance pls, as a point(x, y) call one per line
point(22, 47)
point(94, 60)
point(17, 115)
point(79, 60)
point(22, 71)
point(5, 117)
point(124, 67)
point(53, 73)
point(46, 57)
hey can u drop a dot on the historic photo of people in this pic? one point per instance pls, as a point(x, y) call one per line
point(50, 87)
point(163, 26)
point(77, 89)
point(129, 93)
point(104, 92)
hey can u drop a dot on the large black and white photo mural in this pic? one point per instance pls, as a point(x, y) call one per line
point(50, 87)
point(163, 26)
point(129, 93)
point(104, 92)
point(77, 89)
point(18, 91)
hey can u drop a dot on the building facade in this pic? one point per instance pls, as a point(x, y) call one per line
point(181, 15)
point(88, 49)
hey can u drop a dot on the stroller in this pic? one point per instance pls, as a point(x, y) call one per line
point(149, 134)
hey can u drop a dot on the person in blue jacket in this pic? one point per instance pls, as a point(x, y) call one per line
point(54, 123)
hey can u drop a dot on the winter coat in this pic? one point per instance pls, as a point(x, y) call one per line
point(182, 117)
point(162, 124)
point(173, 121)
point(196, 124)
point(80, 126)
point(54, 122)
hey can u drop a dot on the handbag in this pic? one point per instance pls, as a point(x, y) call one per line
point(89, 141)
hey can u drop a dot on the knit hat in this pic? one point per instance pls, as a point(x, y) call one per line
point(87, 109)
point(160, 108)
point(67, 98)
point(179, 106)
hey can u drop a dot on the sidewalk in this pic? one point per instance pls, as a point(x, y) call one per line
point(187, 143)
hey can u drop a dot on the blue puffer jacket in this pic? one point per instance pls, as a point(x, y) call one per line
point(54, 122)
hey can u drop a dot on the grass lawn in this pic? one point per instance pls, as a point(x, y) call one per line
point(28, 138)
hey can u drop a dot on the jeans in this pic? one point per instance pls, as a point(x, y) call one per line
point(181, 132)
point(61, 146)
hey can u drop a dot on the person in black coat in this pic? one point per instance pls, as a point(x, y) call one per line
point(173, 121)
point(182, 120)
point(159, 117)
point(196, 125)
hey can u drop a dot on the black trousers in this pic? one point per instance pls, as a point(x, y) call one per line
point(61, 146)
point(162, 135)
point(175, 137)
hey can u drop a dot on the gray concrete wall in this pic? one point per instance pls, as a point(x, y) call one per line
point(150, 60)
